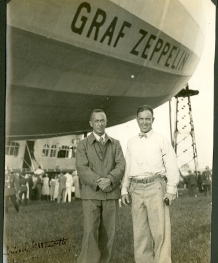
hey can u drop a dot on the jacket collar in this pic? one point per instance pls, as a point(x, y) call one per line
point(92, 139)
point(98, 137)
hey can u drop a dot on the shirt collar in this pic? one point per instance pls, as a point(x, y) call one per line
point(149, 133)
point(97, 137)
point(92, 138)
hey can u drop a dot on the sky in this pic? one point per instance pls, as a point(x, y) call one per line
point(202, 104)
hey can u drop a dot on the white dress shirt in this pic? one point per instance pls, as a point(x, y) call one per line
point(69, 180)
point(151, 155)
point(39, 171)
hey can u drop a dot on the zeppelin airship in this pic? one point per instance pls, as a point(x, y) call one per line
point(66, 58)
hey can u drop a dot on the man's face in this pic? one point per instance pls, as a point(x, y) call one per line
point(145, 120)
point(98, 122)
point(207, 168)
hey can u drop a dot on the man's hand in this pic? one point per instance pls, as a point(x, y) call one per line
point(171, 197)
point(125, 199)
point(103, 183)
point(108, 189)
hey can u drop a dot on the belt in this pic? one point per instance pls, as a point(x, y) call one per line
point(147, 180)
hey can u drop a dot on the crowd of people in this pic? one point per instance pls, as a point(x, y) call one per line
point(197, 180)
point(60, 187)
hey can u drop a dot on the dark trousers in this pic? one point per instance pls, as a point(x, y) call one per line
point(100, 222)
point(38, 191)
point(25, 197)
point(200, 188)
point(206, 189)
point(192, 190)
point(61, 193)
point(13, 200)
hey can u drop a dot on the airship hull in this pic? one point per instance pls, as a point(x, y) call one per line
point(67, 58)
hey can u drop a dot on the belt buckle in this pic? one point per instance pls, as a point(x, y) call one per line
point(149, 180)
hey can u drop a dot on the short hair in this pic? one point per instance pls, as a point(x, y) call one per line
point(95, 111)
point(144, 108)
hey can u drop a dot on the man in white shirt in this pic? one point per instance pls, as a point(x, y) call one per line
point(39, 171)
point(69, 183)
point(151, 178)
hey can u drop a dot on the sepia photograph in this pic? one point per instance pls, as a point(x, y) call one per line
point(109, 120)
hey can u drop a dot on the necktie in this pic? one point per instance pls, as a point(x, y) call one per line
point(142, 134)
point(101, 140)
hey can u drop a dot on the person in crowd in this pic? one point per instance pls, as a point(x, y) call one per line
point(76, 185)
point(207, 181)
point(192, 183)
point(27, 184)
point(100, 164)
point(151, 178)
point(12, 190)
point(32, 186)
point(23, 188)
point(69, 182)
point(37, 187)
point(73, 192)
point(39, 171)
point(52, 187)
point(56, 186)
point(184, 181)
point(200, 182)
point(62, 187)
point(45, 187)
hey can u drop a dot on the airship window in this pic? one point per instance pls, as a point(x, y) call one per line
point(63, 152)
point(45, 150)
point(12, 148)
point(53, 151)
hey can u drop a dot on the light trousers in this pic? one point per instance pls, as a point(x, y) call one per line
point(100, 222)
point(68, 193)
point(151, 223)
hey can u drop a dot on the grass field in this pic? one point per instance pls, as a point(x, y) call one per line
point(52, 233)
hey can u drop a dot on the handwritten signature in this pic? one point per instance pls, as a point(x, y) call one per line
point(36, 245)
